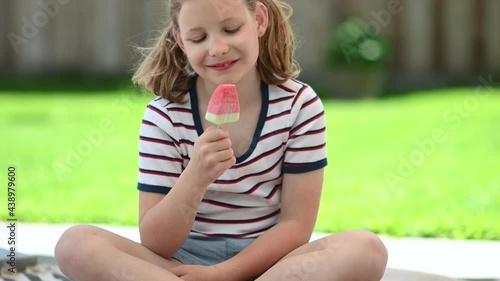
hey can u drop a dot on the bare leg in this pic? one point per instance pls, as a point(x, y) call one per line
point(355, 255)
point(86, 252)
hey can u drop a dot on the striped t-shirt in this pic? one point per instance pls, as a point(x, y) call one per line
point(245, 200)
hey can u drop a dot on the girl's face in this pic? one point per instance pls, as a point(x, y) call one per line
point(221, 38)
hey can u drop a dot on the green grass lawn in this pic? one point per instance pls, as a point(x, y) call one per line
point(425, 164)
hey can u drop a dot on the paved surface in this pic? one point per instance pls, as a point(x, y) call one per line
point(471, 260)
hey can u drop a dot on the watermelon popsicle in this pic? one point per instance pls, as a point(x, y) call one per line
point(224, 105)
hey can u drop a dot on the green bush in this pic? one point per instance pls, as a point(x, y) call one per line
point(352, 44)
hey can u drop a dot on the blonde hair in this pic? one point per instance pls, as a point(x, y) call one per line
point(165, 68)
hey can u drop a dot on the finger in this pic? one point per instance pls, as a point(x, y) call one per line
point(225, 164)
point(220, 145)
point(221, 156)
point(214, 134)
point(230, 162)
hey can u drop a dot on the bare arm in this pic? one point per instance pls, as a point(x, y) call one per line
point(300, 202)
point(166, 220)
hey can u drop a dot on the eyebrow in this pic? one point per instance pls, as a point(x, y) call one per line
point(201, 29)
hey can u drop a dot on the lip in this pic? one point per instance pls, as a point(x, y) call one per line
point(223, 66)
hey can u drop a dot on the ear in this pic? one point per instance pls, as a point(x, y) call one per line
point(178, 39)
point(262, 17)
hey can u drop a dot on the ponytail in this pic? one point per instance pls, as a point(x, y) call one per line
point(164, 69)
point(276, 62)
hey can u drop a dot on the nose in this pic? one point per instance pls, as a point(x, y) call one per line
point(218, 47)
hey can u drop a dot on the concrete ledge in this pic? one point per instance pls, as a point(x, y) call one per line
point(459, 259)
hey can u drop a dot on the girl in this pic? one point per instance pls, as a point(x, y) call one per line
point(231, 203)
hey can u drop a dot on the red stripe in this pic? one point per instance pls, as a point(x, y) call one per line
point(273, 192)
point(178, 109)
point(158, 173)
point(274, 133)
point(293, 131)
point(310, 102)
point(286, 89)
point(278, 115)
point(265, 154)
point(280, 100)
point(257, 186)
point(309, 133)
point(159, 157)
point(311, 148)
point(169, 143)
point(165, 116)
point(216, 235)
point(266, 217)
point(298, 94)
point(220, 204)
point(264, 172)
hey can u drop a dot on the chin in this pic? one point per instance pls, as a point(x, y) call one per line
point(226, 79)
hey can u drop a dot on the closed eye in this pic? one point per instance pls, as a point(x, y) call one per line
point(233, 30)
point(198, 39)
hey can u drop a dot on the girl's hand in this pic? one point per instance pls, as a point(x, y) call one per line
point(212, 156)
point(197, 273)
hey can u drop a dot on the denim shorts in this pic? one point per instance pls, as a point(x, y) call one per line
point(209, 251)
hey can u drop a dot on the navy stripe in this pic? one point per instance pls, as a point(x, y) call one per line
point(275, 189)
point(254, 220)
point(224, 205)
point(266, 171)
point(306, 104)
point(160, 157)
point(183, 141)
point(274, 133)
point(153, 188)
point(292, 168)
point(258, 185)
point(308, 133)
point(299, 94)
point(286, 89)
point(222, 235)
point(164, 115)
point(281, 99)
point(145, 122)
point(307, 148)
point(179, 109)
point(298, 82)
point(267, 153)
point(165, 142)
point(278, 115)
point(159, 173)
point(314, 118)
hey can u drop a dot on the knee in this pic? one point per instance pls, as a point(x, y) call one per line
point(74, 246)
point(371, 243)
point(373, 250)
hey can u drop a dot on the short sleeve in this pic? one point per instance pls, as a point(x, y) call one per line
point(160, 162)
point(305, 150)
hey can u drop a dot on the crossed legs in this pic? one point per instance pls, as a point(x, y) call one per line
point(87, 252)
